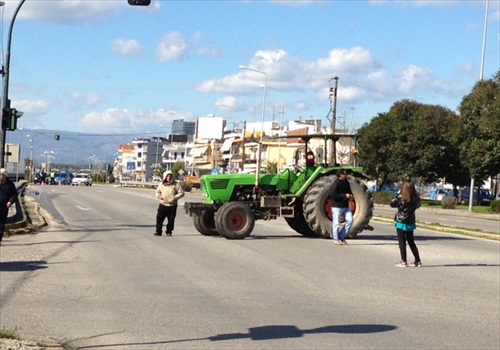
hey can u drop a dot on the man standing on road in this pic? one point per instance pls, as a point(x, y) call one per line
point(168, 192)
point(341, 195)
point(8, 195)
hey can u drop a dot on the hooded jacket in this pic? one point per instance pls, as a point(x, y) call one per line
point(168, 192)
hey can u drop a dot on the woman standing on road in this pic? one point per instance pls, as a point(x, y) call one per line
point(407, 202)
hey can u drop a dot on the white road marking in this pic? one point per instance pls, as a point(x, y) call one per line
point(82, 208)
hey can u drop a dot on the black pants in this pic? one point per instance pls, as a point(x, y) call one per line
point(166, 212)
point(404, 236)
point(3, 219)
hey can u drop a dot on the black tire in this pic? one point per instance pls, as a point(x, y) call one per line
point(299, 223)
point(234, 220)
point(205, 223)
point(317, 206)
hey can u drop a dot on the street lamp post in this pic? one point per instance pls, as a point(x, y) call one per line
point(5, 95)
point(259, 151)
point(32, 150)
point(481, 75)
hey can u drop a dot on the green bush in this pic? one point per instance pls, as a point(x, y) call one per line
point(448, 203)
point(186, 186)
point(495, 206)
point(382, 197)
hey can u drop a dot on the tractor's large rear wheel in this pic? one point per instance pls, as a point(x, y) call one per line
point(299, 223)
point(205, 223)
point(234, 220)
point(317, 206)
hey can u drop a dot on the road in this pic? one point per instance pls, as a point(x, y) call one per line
point(97, 278)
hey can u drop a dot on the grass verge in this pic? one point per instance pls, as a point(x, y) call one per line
point(9, 334)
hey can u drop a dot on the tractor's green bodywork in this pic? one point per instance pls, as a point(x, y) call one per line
point(222, 188)
point(232, 202)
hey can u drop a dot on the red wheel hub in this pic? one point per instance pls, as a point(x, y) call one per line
point(237, 221)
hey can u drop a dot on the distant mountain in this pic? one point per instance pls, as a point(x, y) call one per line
point(72, 148)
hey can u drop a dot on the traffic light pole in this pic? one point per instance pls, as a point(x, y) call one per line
point(5, 94)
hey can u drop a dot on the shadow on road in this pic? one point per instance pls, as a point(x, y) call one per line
point(16, 266)
point(271, 332)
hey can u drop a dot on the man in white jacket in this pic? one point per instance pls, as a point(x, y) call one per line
point(168, 192)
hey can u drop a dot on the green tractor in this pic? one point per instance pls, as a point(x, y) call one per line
point(233, 202)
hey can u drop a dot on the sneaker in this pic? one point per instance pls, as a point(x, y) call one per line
point(401, 264)
point(344, 242)
point(157, 234)
point(168, 233)
point(416, 264)
point(338, 243)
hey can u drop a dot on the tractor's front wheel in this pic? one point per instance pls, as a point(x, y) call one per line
point(234, 220)
point(205, 223)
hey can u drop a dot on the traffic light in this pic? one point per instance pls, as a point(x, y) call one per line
point(14, 115)
point(6, 115)
point(57, 137)
point(5, 118)
point(139, 2)
point(9, 117)
point(355, 151)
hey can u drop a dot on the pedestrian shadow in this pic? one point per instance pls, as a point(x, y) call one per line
point(17, 266)
point(50, 242)
point(463, 265)
point(271, 332)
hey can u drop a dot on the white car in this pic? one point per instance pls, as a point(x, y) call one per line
point(82, 179)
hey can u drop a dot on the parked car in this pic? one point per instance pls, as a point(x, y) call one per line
point(442, 193)
point(82, 179)
point(385, 188)
point(62, 178)
point(485, 196)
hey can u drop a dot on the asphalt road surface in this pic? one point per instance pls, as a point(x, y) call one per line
point(97, 278)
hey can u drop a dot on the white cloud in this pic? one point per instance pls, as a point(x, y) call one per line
point(74, 11)
point(70, 11)
point(87, 99)
point(362, 77)
point(230, 103)
point(117, 120)
point(32, 108)
point(172, 47)
point(202, 46)
point(126, 47)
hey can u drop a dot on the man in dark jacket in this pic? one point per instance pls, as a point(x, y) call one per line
point(8, 196)
point(341, 195)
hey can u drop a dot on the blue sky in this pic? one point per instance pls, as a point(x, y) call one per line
point(107, 67)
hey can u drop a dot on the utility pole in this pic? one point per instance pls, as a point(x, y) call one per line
point(333, 109)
